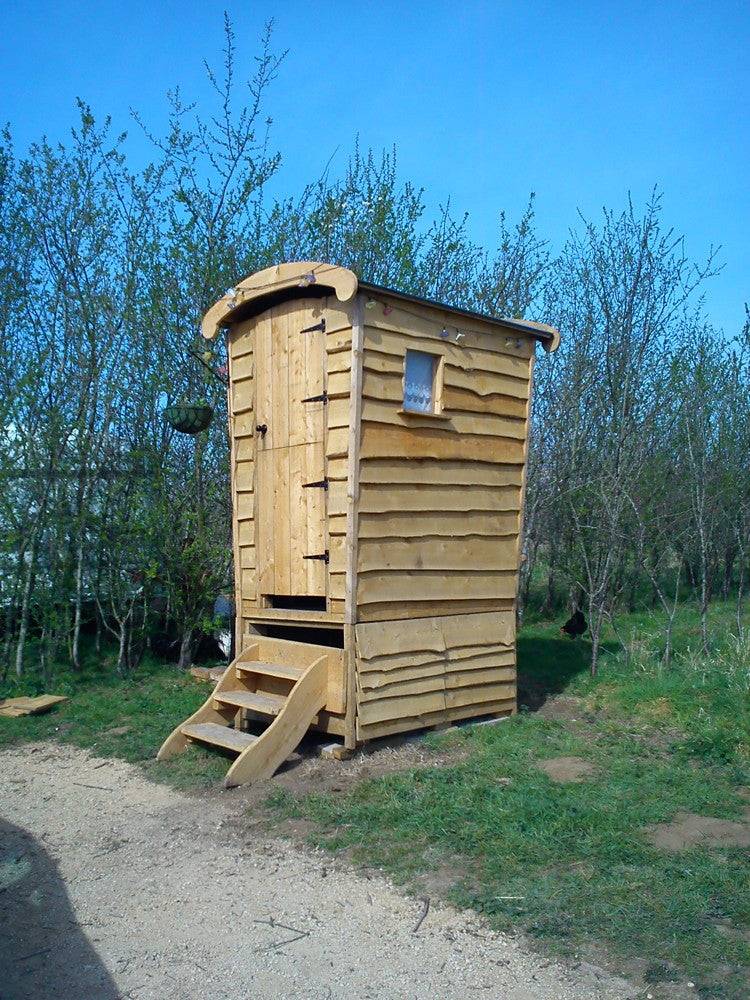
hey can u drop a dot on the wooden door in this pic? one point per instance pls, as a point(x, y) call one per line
point(290, 455)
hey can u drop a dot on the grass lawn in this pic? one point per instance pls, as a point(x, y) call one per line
point(127, 718)
point(569, 863)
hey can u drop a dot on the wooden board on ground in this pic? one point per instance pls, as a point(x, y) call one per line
point(14, 707)
point(210, 675)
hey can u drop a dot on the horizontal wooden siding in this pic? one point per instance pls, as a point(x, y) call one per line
point(439, 516)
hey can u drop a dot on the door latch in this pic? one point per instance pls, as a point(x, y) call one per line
point(261, 429)
point(323, 556)
point(320, 398)
point(318, 326)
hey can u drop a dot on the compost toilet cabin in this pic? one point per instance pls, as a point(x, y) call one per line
point(378, 456)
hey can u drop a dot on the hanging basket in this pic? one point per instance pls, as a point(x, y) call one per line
point(189, 418)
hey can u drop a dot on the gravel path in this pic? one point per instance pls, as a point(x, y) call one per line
point(130, 889)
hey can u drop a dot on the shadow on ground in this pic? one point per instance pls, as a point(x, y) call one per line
point(547, 665)
point(44, 952)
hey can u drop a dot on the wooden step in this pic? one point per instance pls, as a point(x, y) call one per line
point(269, 704)
point(271, 669)
point(258, 757)
point(220, 736)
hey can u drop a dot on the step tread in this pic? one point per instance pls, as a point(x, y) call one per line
point(256, 701)
point(220, 736)
point(271, 669)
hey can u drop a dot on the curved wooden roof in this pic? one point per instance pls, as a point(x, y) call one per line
point(270, 281)
point(308, 274)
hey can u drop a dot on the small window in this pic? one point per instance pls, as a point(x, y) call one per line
point(420, 381)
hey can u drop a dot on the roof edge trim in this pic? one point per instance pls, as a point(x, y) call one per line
point(296, 274)
point(548, 335)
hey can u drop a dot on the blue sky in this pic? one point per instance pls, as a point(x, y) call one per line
point(485, 102)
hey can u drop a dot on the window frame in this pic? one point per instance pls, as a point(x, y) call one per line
point(436, 410)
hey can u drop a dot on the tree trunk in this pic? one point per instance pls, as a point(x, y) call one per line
point(23, 626)
point(186, 650)
point(44, 660)
point(122, 649)
point(524, 587)
point(549, 599)
point(655, 596)
point(596, 618)
point(10, 614)
point(729, 557)
point(632, 592)
point(740, 595)
point(704, 592)
point(668, 645)
point(595, 636)
point(75, 652)
point(671, 612)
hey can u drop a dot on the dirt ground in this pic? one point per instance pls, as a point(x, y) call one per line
point(565, 769)
point(112, 886)
point(690, 830)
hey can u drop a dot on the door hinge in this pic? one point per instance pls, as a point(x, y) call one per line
point(323, 556)
point(321, 484)
point(318, 326)
point(320, 398)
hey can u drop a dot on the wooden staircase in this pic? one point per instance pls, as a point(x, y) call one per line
point(289, 694)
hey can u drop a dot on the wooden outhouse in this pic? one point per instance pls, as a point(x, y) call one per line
point(378, 457)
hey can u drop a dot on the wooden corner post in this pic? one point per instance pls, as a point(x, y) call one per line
point(352, 518)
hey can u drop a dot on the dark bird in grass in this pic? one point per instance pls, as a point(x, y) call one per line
point(575, 625)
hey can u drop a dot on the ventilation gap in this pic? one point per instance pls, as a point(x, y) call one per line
point(316, 636)
point(296, 603)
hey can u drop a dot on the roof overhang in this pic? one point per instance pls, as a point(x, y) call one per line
point(548, 335)
point(309, 277)
point(304, 275)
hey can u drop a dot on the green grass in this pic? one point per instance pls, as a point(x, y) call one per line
point(149, 704)
point(570, 863)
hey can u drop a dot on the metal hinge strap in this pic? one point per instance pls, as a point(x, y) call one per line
point(318, 326)
point(323, 556)
point(322, 484)
point(321, 398)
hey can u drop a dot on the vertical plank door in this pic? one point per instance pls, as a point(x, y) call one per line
point(291, 515)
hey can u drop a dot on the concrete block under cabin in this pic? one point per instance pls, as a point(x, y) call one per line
point(378, 458)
